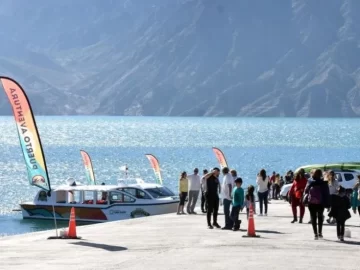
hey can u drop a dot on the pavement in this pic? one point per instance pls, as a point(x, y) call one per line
point(184, 242)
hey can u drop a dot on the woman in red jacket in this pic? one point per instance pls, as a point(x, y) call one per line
point(296, 193)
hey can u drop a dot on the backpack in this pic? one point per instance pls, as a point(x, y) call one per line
point(315, 195)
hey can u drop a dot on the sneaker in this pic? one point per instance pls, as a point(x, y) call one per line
point(321, 236)
point(316, 237)
point(183, 213)
point(210, 227)
point(265, 215)
point(309, 222)
point(342, 238)
point(260, 215)
point(226, 228)
point(178, 213)
point(194, 213)
point(217, 226)
point(235, 229)
point(300, 221)
point(295, 220)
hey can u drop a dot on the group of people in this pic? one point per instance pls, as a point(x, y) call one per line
point(229, 190)
point(319, 191)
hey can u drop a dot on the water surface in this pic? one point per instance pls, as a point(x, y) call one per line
point(180, 144)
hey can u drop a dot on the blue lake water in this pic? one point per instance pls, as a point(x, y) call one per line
point(179, 143)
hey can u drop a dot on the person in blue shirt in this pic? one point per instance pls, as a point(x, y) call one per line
point(238, 203)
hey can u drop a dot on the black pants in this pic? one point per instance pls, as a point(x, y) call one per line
point(183, 196)
point(274, 192)
point(235, 216)
point(340, 228)
point(213, 208)
point(228, 220)
point(203, 202)
point(263, 199)
point(317, 217)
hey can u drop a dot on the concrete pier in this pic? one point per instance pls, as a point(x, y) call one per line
point(184, 242)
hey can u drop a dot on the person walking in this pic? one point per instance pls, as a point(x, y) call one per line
point(227, 186)
point(339, 210)
point(317, 197)
point(212, 197)
point(296, 193)
point(183, 192)
point(355, 197)
point(238, 204)
point(262, 182)
point(194, 189)
point(250, 200)
point(203, 188)
point(333, 190)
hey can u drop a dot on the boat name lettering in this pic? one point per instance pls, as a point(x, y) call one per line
point(113, 212)
point(19, 114)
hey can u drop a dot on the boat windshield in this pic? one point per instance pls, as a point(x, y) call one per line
point(160, 192)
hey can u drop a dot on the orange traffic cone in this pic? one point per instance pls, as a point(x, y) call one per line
point(71, 232)
point(251, 224)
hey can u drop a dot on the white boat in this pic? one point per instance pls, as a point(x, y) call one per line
point(102, 203)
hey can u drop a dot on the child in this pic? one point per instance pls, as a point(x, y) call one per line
point(250, 199)
point(339, 210)
point(238, 203)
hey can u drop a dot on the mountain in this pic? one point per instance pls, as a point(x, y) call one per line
point(298, 58)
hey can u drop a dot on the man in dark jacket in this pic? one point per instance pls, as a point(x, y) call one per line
point(212, 197)
point(318, 198)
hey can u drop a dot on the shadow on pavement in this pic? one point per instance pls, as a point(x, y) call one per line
point(346, 242)
point(267, 231)
point(101, 246)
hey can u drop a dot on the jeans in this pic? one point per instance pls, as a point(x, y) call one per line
point(317, 217)
point(183, 196)
point(228, 221)
point(213, 208)
point(340, 228)
point(235, 216)
point(193, 196)
point(295, 202)
point(263, 199)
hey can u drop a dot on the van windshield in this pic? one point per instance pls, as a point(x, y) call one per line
point(160, 192)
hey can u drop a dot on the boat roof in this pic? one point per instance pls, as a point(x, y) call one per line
point(104, 187)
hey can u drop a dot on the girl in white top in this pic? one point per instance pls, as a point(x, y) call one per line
point(333, 190)
point(262, 183)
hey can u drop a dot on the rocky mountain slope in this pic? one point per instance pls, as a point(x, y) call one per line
point(184, 57)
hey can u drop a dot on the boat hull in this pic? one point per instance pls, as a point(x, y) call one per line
point(98, 213)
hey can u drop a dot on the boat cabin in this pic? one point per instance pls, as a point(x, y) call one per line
point(103, 194)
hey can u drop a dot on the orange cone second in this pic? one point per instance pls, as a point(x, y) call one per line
point(251, 222)
point(71, 233)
